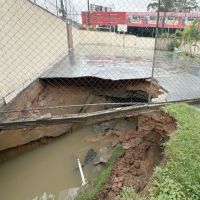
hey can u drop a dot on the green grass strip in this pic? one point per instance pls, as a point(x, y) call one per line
point(180, 178)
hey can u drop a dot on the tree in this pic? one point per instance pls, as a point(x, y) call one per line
point(165, 6)
point(174, 5)
point(189, 37)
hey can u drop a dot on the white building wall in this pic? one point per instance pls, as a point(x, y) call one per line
point(30, 40)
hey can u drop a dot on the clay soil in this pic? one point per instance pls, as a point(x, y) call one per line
point(143, 151)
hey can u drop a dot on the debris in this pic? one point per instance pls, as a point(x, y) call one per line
point(91, 154)
point(103, 156)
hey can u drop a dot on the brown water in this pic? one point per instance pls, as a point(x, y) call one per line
point(49, 168)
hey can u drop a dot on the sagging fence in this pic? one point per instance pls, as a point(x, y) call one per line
point(71, 56)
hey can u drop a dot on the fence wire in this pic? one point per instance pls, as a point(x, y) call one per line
point(61, 57)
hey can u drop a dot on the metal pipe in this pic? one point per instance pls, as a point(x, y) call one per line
point(84, 182)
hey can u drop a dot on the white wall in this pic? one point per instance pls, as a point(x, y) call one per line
point(30, 40)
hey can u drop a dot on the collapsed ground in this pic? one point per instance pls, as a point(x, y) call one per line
point(179, 176)
point(143, 147)
point(57, 93)
point(143, 150)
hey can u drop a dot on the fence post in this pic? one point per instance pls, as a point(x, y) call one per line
point(155, 51)
point(68, 26)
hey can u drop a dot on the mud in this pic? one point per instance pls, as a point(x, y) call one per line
point(62, 92)
point(143, 151)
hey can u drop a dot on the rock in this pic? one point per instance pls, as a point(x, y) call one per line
point(103, 156)
point(91, 154)
point(102, 129)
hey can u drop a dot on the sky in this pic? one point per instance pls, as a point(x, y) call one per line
point(117, 5)
point(81, 5)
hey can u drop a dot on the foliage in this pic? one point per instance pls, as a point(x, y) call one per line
point(100, 182)
point(180, 178)
point(174, 5)
point(173, 44)
point(190, 38)
point(171, 40)
point(129, 193)
point(165, 6)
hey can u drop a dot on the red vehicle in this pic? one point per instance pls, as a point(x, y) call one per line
point(167, 20)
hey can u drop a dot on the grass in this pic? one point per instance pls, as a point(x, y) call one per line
point(180, 178)
point(100, 182)
point(129, 193)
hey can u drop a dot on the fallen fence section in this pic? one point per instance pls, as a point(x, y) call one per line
point(88, 118)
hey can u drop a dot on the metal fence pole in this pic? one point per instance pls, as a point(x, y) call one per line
point(69, 30)
point(155, 51)
point(57, 7)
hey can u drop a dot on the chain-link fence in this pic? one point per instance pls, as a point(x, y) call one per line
point(61, 57)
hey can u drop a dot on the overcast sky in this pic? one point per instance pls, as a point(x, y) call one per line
point(117, 5)
point(81, 5)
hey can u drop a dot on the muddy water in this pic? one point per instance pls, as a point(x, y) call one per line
point(49, 168)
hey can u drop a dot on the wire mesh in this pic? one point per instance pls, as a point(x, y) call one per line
point(61, 57)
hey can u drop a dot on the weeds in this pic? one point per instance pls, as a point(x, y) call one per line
point(129, 193)
point(180, 178)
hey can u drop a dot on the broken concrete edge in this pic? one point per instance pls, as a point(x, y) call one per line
point(88, 118)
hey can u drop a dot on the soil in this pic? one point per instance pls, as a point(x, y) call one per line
point(143, 151)
point(60, 93)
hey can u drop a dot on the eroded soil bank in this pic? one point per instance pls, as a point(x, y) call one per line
point(58, 93)
point(141, 135)
point(143, 151)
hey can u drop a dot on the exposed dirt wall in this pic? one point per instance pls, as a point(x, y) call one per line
point(143, 153)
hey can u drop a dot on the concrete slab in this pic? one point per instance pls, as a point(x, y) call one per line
point(178, 75)
point(110, 68)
